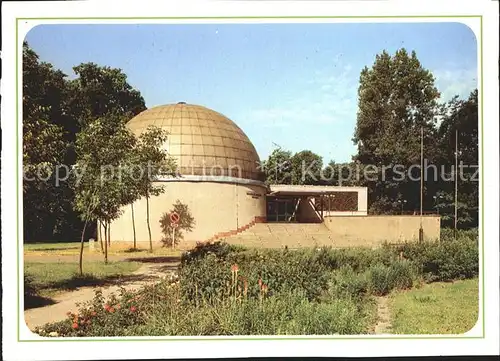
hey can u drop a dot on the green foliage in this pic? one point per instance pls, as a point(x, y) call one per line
point(186, 224)
point(446, 260)
point(158, 311)
point(228, 290)
point(383, 279)
point(300, 168)
point(280, 270)
point(278, 167)
point(55, 110)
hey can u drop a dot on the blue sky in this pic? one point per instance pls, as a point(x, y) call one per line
point(294, 85)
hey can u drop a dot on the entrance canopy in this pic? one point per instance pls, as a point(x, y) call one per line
point(300, 190)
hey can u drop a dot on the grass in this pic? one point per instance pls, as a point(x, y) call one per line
point(436, 308)
point(73, 248)
point(50, 278)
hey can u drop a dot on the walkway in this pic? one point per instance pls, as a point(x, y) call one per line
point(64, 302)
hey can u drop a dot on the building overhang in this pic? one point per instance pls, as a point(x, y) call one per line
point(306, 190)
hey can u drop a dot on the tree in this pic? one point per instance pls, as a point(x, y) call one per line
point(459, 116)
point(306, 168)
point(186, 224)
point(102, 177)
point(397, 98)
point(101, 90)
point(46, 128)
point(278, 167)
point(150, 156)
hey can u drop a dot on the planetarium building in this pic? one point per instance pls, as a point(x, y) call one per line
point(219, 180)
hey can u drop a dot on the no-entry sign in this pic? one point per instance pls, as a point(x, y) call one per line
point(174, 217)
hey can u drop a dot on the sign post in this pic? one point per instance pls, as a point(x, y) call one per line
point(174, 222)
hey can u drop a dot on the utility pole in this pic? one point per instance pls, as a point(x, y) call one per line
point(456, 182)
point(421, 230)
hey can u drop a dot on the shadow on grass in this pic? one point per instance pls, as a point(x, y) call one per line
point(35, 301)
point(165, 259)
point(52, 249)
point(78, 281)
point(135, 250)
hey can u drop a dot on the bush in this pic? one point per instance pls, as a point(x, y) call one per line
point(383, 279)
point(210, 277)
point(159, 311)
point(348, 283)
point(444, 261)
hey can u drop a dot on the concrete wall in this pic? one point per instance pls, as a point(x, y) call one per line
point(377, 229)
point(306, 212)
point(216, 208)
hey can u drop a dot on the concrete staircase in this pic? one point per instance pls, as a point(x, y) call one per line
point(279, 235)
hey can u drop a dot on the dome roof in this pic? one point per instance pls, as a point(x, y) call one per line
point(202, 141)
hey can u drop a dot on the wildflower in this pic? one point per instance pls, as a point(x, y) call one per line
point(106, 307)
point(264, 288)
point(111, 310)
point(118, 306)
point(75, 326)
point(234, 268)
point(260, 282)
point(133, 309)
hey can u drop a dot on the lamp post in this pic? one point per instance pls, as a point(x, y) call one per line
point(435, 202)
point(402, 202)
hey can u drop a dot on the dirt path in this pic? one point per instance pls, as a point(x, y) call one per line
point(64, 302)
point(383, 326)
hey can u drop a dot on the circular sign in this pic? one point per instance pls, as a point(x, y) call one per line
point(174, 217)
point(175, 225)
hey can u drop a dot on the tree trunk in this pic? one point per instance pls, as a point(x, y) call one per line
point(81, 248)
point(149, 228)
point(109, 234)
point(133, 225)
point(106, 243)
point(100, 225)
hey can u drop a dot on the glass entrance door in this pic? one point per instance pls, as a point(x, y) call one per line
point(281, 209)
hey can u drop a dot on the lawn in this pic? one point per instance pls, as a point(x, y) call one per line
point(73, 248)
point(436, 308)
point(48, 278)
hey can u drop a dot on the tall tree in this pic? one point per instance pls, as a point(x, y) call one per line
point(152, 161)
point(397, 97)
point(306, 168)
point(101, 90)
point(46, 129)
point(278, 167)
point(459, 116)
point(102, 180)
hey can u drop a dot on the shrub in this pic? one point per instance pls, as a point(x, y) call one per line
point(209, 277)
point(288, 313)
point(444, 261)
point(383, 279)
point(186, 224)
point(348, 283)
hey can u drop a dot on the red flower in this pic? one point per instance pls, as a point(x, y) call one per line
point(264, 287)
point(234, 268)
point(75, 325)
point(133, 308)
point(260, 282)
point(106, 307)
point(111, 310)
point(118, 306)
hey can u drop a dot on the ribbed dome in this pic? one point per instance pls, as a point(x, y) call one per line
point(202, 141)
